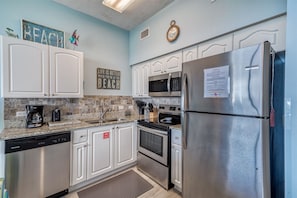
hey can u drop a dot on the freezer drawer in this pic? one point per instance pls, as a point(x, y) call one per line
point(226, 157)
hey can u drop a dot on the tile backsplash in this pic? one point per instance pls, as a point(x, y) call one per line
point(78, 108)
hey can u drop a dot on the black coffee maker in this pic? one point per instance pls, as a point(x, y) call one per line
point(34, 116)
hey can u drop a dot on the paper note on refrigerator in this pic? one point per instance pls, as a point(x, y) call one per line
point(216, 82)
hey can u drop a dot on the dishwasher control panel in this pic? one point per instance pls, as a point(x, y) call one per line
point(26, 143)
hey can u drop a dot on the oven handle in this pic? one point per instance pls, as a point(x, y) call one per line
point(154, 131)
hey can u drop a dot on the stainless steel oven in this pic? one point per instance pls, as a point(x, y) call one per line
point(154, 146)
point(153, 143)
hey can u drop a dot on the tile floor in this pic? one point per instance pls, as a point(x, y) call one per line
point(156, 192)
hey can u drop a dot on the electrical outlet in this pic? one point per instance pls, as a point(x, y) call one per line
point(21, 114)
point(130, 107)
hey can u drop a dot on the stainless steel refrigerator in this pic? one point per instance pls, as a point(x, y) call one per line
point(226, 109)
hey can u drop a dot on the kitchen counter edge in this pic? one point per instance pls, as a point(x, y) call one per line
point(14, 133)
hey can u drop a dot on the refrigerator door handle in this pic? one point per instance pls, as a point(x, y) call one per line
point(184, 107)
point(168, 83)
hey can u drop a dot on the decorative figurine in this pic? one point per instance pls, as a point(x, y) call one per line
point(11, 33)
point(74, 39)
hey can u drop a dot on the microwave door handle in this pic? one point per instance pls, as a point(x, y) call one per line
point(168, 83)
point(184, 108)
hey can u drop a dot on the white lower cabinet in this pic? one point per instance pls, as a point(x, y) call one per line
point(99, 150)
point(125, 144)
point(176, 159)
point(79, 156)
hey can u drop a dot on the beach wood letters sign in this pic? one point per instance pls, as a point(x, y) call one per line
point(42, 34)
point(108, 79)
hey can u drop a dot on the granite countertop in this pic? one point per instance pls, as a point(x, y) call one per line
point(178, 126)
point(13, 133)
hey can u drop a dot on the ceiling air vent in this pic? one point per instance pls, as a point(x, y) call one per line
point(145, 33)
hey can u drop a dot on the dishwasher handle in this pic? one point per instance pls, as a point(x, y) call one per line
point(20, 144)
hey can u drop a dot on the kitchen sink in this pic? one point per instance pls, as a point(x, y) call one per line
point(104, 121)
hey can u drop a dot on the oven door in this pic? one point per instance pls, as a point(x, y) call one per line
point(153, 143)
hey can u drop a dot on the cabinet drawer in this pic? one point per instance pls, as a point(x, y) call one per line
point(176, 137)
point(80, 136)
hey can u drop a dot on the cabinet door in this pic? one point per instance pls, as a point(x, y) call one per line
point(145, 79)
point(273, 31)
point(140, 74)
point(157, 66)
point(66, 73)
point(100, 152)
point(25, 68)
point(125, 144)
point(135, 81)
point(215, 46)
point(176, 166)
point(190, 54)
point(173, 62)
point(79, 163)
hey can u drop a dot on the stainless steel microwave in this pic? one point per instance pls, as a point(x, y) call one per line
point(165, 84)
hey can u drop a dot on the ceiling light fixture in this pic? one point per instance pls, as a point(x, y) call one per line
point(117, 5)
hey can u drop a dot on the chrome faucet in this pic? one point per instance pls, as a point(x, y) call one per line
point(103, 112)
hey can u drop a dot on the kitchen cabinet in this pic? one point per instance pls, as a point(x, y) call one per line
point(101, 150)
point(100, 154)
point(215, 46)
point(273, 31)
point(190, 53)
point(167, 64)
point(66, 73)
point(79, 156)
point(125, 144)
point(33, 70)
point(140, 74)
point(24, 68)
point(176, 159)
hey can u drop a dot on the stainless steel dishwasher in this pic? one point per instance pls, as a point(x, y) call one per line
point(38, 166)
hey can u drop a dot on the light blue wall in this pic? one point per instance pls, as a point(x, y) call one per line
point(104, 45)
point(291, 95)
point(198, 20)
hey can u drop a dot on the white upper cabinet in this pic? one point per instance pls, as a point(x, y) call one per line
point(157, 66)
point(167, 64)
point(140, 74)
point(66, 73)
point(273, 31)
point(24, 68)
point(33, 70)
point(173, 62)
point(215, 46)
point(190, 54)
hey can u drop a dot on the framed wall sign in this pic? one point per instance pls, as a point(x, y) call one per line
point(42, 34)
point(108, 79)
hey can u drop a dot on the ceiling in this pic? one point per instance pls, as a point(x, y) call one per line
point(135, 14)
